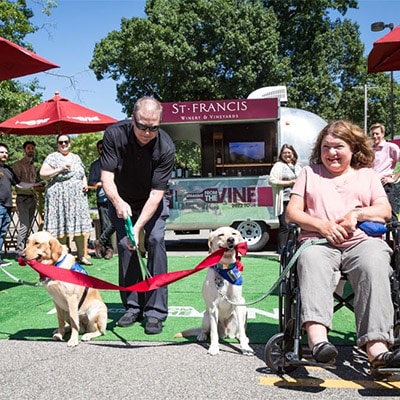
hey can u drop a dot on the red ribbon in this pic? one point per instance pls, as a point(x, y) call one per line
point(155, 282)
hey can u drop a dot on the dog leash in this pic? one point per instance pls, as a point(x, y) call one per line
point(21, 281)
point(282, 276)
point(131, 236)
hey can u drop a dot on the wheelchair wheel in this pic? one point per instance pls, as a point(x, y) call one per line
point(396, 335)
point(275, 353)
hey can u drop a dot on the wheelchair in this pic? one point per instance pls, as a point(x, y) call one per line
point(283, 351)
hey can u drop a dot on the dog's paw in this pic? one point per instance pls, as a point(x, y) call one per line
point(91, 335)
point(213, 350)
point(58, 336)
point(86, 337)
point(73, 342)
point(248, 351)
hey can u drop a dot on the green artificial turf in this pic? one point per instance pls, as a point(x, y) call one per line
point(27, 312)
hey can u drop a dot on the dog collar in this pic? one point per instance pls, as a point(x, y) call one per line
point(231, 274)
point(230, 266)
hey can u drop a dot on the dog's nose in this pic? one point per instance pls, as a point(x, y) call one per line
point(230, 242)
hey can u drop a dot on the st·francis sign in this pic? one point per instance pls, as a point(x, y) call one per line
point(220, 110)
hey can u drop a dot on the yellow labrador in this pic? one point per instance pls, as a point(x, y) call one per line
point(90, 317)
point(221, 318)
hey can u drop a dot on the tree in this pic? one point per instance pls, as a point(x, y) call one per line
point(197, 49)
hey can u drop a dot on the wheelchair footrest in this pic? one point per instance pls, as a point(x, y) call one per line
point(385, 371)
point(311, 363)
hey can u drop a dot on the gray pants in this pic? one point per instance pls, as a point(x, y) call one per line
point(26, 207)
point(367, 266)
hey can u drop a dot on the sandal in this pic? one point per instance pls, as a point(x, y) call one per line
point(387, 359)
point(324, 352)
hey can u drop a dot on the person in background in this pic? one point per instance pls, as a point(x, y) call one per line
point(136, 163)
point(330, 198)
point(8, 179)
point(103, 246)
point(282, 178)
point(26, 201)
point(66, 207)
point(387, 155)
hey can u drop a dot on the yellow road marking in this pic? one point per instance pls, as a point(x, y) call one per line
point(328, 383)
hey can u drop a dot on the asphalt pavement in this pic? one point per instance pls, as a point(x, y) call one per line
point(153, 370)
point(150, 370)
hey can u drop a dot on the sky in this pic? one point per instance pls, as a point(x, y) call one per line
point(75, 26)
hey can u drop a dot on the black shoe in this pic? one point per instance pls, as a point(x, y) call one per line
point(4, 263)
point(109, 254)
point(388, 359)
point(324, 352)
point(153, 326)
point(99, 249)
point(128, 319)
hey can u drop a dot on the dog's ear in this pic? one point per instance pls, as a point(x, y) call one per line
point(211, 237)
point(241, 239)
point(55, 249)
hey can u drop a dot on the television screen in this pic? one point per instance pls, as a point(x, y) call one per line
point(246, 152)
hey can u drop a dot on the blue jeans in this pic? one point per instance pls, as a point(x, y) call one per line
point(5, 218)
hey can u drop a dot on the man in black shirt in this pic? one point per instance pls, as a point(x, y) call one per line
point(136, 163)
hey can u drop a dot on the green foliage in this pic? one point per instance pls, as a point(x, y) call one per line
point(189, 155)
point(85, 146)
point(189, 50)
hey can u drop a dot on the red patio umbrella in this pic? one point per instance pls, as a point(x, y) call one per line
point(54, 116)
point(16, 61)
point(385, 54)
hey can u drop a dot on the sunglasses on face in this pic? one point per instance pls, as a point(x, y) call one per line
point(63, 142)
point(143, 127)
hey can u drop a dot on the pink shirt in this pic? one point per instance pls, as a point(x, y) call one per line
point(327, 200)
point(386, 156)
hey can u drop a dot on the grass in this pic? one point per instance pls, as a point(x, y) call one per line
point(27, 312)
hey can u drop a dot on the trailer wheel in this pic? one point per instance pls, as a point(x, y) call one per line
point(255, 233)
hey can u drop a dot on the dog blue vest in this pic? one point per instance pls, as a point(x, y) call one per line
point(76, 267)
point(230, 274)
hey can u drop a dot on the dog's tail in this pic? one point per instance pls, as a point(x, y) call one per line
point(188, 332)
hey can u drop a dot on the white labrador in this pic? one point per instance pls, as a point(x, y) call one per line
point(222, 318)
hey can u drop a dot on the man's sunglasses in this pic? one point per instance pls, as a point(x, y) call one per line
point(143, 127)
point(63, 142)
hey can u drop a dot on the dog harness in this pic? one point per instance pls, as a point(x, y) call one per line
point(77, 268)
point(231, 273)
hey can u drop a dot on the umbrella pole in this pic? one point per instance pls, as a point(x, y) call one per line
point(391, 106)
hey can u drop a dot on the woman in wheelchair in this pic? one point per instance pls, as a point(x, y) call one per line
point(332, 195)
